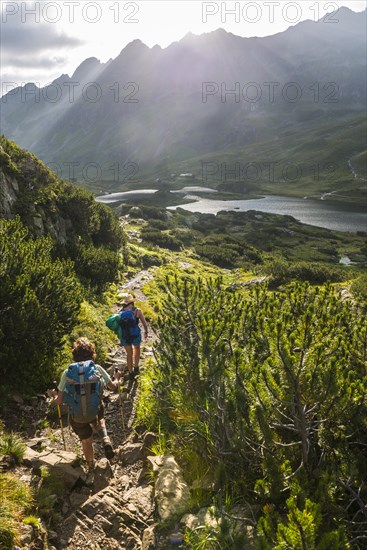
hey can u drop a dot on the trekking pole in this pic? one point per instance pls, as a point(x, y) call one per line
point(121, 404)
point(60, 419)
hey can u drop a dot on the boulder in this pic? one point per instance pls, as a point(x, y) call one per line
point(131, 453)
point(205, 517)
point(60, 463)
point(139, 500)
point(102, 474)
point(171, 490)
point(149, 539)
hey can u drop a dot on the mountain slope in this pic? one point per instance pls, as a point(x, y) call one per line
point(153, 105)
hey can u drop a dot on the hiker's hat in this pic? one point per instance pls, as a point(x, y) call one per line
point(127, 299)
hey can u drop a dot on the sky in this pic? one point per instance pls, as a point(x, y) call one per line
point(40, 40)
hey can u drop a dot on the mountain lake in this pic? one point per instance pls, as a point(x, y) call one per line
point(321, 213)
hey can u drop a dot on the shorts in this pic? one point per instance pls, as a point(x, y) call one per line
point(134, 342)
point(84, 431)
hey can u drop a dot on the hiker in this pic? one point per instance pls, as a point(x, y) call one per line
point(132, 343)
point(91, 419)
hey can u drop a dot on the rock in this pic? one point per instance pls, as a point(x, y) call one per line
point(131, 453)
point(26, 534)
point(123, 483)
point(143, 476)
point(17, 398)
point(149, 539)
point(30, 456)
point(52, 535)
point(60, 463)
point(205, 517)
point(102, 474)
point(38, 442)
point(141, 499)
point(171, 490)
point(102, 504)
point(190, 520)
point(77, 499)
point(156, 462)
point(103, 523)
point(26, 478)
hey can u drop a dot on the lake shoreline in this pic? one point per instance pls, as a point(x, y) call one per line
point(330, 214)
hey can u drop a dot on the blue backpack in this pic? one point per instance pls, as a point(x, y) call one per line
point(129, 325)
point(83, 391)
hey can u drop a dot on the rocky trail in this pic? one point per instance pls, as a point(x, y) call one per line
point(117, 509)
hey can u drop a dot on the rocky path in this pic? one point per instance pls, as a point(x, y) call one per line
point(117, 511)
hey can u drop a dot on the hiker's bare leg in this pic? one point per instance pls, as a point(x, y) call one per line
point(136, 356)
point(107, 445)
point(101, 428)
point(129, 357)
point(88, 451)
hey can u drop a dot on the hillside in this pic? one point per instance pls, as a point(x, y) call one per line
point(60, 252)
point(151, 112)
point(48, 205)
point(252, 405)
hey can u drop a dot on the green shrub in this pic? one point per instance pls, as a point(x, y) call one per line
point(283, 272)
point(163, 240)
point(268, 388)
point(159, 224)
point(91, 324)
point(148, 260)
point(220, 256)
point(39, 303)
point(359, 286)
point(95, 266)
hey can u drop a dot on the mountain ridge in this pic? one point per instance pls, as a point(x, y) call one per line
point(203, 94)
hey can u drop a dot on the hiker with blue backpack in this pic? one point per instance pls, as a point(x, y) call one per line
point(130, 335)
point(81, 388)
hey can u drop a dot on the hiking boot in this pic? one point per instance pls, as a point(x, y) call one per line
point(108, 449)
point(131, 376)
point(136, 371)
point(89, 479)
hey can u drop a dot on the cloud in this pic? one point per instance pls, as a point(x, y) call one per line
point(38, 63)
point(22, 36)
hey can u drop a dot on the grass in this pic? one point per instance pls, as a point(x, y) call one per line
point(15, 500)
point(311, 147)
point(12, 445)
